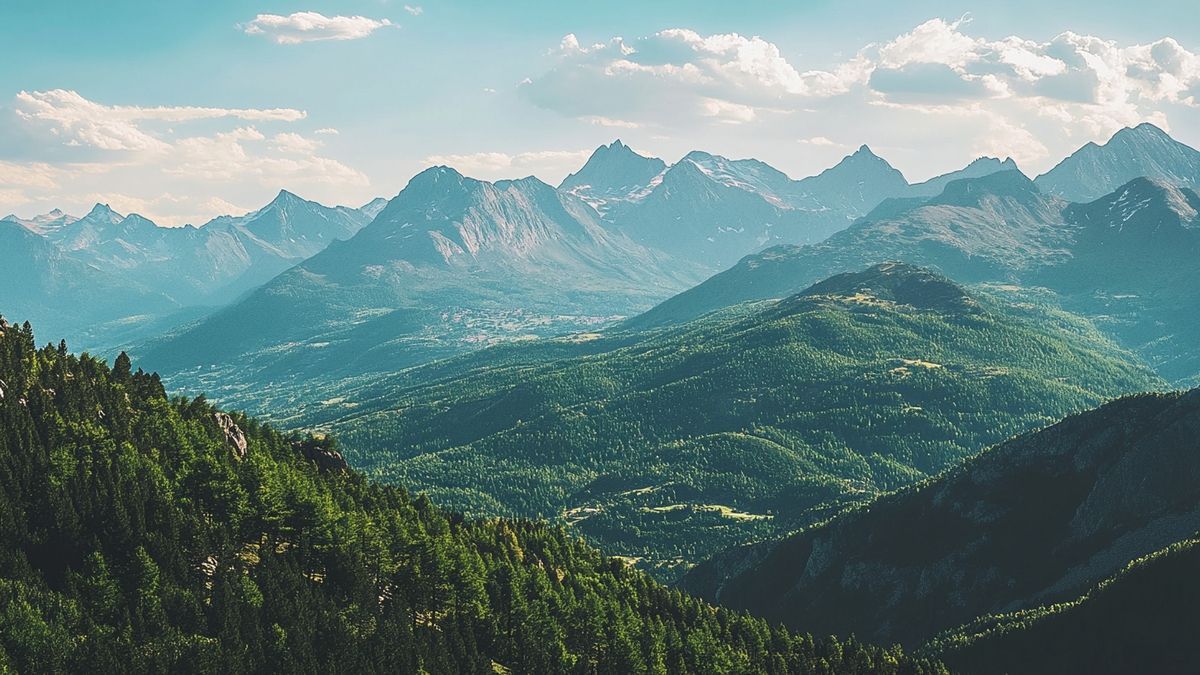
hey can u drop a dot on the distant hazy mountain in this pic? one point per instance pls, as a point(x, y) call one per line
point(1038, 520)
point(295, 228)
point(373, 207)
point(855, 185)
point(614, 173)
point(1143, 151)
point(1132, 264)
point(712, 210)
point(46, 223)
point(184, 267)
point(976, 229)
point(1126, 259)
point(41, 283)
point(738, 426)
point(448, 265)
point(976, 169)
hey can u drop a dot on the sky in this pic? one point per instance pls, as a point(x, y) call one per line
point(185, 110)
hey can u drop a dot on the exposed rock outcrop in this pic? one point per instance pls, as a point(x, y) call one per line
point(234, 436)
point(322, 451)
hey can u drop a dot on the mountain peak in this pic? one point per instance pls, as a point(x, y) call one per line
point(1146, 128)
point(103, 213)
point(285, 198)
point(1150, 201)
point(613, 171)
point(1145, 150)
point(896, 282)
point(970, 191)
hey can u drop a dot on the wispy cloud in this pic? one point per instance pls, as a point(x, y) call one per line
point(415, 10)
point(312, 27)
point(549, 165)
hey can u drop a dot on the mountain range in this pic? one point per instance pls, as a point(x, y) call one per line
point(742, 425)
point(854, 427)
point(1123, 259)
point(179, 267)
point(451, 264)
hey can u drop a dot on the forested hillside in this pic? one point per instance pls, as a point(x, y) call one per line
point(1036, 521)
point(145, 534)
point(1140, 620)
point(739, 426)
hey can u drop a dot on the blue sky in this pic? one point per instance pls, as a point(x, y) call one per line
point(184, 110)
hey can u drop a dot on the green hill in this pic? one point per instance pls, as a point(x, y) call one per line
point(1033, 522)
point(145, 534)
point(739, 426)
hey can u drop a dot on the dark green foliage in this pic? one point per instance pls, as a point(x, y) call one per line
point(1141, 620)
point(135, 536)
point(1040, 519)
point(740, 425)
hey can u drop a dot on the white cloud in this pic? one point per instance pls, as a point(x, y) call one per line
point(80, 122)
point(313, 27)
point(1011, 90)
point(819, 141)
point(610, 122)
point(549, 165)
point(415, 10)
point(327, 131)
point(675, 74)
point(59, 145)
point(295, 144)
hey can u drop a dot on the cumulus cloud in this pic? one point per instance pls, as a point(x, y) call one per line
point(302, 27)
point(55, 141)
point(677, 72)
point(549, 165)
point(1080, 86)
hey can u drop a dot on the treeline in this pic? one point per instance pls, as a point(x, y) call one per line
point(141, 533)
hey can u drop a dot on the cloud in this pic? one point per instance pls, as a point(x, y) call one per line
point(327, 131)
point(79, 122)
point(675, 74)
point(58, 145)
point(313, 27)
point(549, 165)
point(415, 10)
point(1073, 87)
point(295, 144)
point(819, 141)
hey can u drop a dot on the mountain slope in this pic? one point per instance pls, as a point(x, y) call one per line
point(1139, 620)
point(140, 533)
point(975, 229)
point(742, 425)
point(1036, 520)
point(44, 224)
point(1126, 260)
point(712, 210)
point(983, 166)
point(62, 293)
point(612, 175)
point(214, 263)
point(1144, 151)
point(449, 264)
